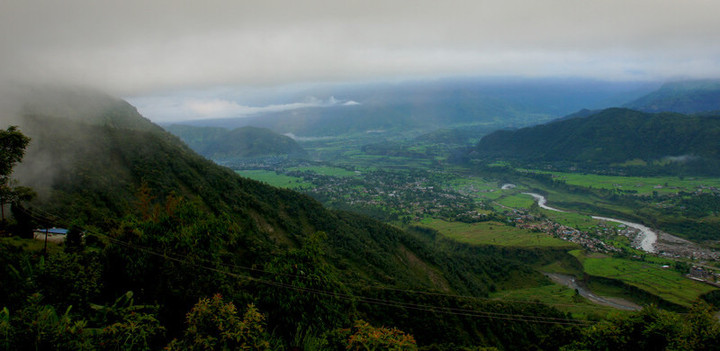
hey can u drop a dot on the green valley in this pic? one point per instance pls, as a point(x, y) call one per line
point(359, 175)
point(406, 232)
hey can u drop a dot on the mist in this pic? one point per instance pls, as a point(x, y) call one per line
point(136, 48)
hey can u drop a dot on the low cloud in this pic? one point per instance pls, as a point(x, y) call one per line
point(681, 158)
point(171, 109)
point(300, 138)
point(136, 47)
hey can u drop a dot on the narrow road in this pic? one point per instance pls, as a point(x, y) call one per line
point(614, 302)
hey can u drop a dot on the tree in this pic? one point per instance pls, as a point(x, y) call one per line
point(128, 326)
point(214, 324)
point(40, 327)
point(12, 150)
point(74, 239)
point(309, 294)
point(367, 337)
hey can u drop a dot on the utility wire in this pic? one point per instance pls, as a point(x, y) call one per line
point(376, 301)
point(446, 310)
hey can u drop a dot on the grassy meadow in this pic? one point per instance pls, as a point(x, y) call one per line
point(560, 297)
point(493, 233)
point(325, 170)
point(643, 185)
point(665, 283)
point(275, 179)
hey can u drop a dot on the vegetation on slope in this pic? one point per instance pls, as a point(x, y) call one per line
point(173, 228)
point(184, 254)
point(613, 137)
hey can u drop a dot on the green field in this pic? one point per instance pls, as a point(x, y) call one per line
point(560, 297)
point(31, 245)
point(493, 233)
point(643, 185)
point(517, 201)
point(360, 160)
point(325, 170)
point(571, 219)
point(667, 284)
point(274, 179)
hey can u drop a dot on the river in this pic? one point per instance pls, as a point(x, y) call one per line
point(542, 201)
point(649, 237)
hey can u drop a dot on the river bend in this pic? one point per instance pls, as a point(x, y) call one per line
point(648, 236)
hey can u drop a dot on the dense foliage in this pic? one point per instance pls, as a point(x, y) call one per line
point(12, 150)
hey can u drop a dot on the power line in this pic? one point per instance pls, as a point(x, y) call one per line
point(376, 301)
point(361, 285)
point(429, 308)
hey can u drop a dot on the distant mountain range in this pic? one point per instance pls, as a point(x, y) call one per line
point(610, 137)
point(421, 107)
point(683, 97)
point(221, 144)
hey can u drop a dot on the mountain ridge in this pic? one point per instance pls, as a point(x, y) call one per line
point(611, 136)
point(426, 106)
point(686, 97)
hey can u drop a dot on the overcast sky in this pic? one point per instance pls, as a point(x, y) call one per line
point(137, 48)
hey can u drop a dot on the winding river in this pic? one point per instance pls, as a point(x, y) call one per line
point(542, 201)
point(649, 237)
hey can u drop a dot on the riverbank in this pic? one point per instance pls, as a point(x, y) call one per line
point(647, 238)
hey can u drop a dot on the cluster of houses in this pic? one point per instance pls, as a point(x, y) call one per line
point(705, 275)
point(405, 195)
point(560, 231)
point(686, 250)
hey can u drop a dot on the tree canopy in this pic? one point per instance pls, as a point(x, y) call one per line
point(12, 150)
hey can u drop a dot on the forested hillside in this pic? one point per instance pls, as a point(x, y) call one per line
point(245, 142)
point(613, 137)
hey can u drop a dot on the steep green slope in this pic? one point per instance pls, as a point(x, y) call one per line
point(612, 136)
point(682, 97)
point(244, 142)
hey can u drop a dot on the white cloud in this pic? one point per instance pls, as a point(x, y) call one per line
point(179, 108)
point(137, 47)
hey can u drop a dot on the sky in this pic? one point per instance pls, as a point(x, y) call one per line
point(168, 48)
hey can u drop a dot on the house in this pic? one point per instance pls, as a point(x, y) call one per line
point(53, 234)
